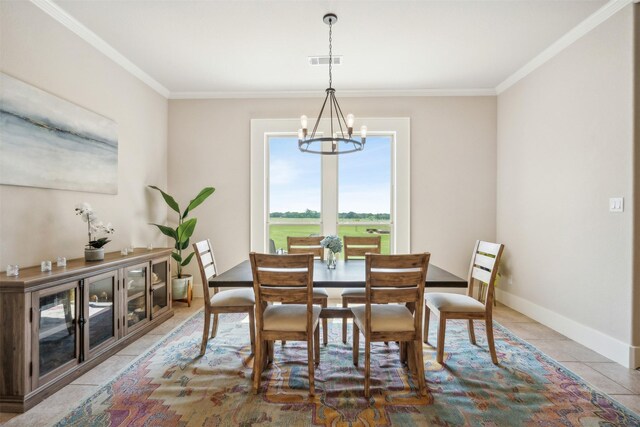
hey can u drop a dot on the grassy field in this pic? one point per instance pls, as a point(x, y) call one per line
point(279, 232)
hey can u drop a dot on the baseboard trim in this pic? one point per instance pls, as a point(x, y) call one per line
point(597, 341)
point(634, 351)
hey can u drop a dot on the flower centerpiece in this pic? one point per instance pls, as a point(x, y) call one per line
point(94, 250)
point(334, 244)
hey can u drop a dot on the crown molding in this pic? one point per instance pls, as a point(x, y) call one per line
point(341, 93)
point(579, 31)
point(60, 15)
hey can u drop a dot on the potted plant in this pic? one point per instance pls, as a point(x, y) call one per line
point(181, 235)
point(94, 250)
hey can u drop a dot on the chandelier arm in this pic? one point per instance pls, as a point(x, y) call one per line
point(339, 111)
point(315, 127)
point(331, 112)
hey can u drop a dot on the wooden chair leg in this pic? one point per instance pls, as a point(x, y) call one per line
point(316, 345)
point(214, 327)
point(419, 358)
point(252, 331)
point(345, 304)
point(205, 333)
point(441, 329)
point(403, 351)
point(427, 317)
point(325, 325)
point(257, 365)
point(312, 389)
point(367, 367)
point(472, 334)
point(270, 351)
point(190, 294)
point(492, 347)
point(356, 344)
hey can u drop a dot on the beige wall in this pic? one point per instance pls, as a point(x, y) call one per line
point(636, 187)
point(564, 148)
point(37, 224)
point(453, 167)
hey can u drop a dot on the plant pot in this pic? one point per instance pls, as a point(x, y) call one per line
point(93, 254)
point(180, 286)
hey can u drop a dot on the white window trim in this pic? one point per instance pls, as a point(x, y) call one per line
point(261, 129)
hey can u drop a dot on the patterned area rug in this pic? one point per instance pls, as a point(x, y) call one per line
point(171, 386)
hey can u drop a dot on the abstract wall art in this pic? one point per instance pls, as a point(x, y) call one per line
point(48, 142)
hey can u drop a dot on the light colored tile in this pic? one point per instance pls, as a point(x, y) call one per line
point(104, 371)
point(580, 352)
point(553, 349)
point(502, 313)
point(631, 401)
point(533, 331)
point(54, 407)
point(139, 346)
point(628, 378)
point(595, 378)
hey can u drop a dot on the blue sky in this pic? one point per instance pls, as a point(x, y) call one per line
point(364, 177)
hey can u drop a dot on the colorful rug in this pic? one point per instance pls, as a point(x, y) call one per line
point(171, 386)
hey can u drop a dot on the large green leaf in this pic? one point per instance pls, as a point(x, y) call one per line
point(188, 259)
point(167, 231)
point(177, 257)
point(201, 197)
point(185, 245)
point(167, 198)
point(185, 230)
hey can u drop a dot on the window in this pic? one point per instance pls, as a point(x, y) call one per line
point(302, 194)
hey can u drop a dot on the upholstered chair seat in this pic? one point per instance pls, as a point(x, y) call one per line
point(386, 317)
point(289, 317)
point(235, 297)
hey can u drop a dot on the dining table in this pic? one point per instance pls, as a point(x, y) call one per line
point(347, 274)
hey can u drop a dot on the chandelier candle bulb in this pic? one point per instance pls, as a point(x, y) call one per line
point(350, 119)
point(303, 121)
point(363, 132)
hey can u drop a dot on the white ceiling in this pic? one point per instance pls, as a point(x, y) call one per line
point(262, 46)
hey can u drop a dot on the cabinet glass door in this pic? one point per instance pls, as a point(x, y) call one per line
point(159, 287)
point(100, 311)
point(56, 343)
point(137, 289)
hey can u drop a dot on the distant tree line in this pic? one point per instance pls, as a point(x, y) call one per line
point(342, 215)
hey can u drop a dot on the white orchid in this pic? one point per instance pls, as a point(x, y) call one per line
point(94, 225)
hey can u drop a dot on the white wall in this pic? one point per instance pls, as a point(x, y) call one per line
point(37, 224)
point(453, 167)
point(565, 145)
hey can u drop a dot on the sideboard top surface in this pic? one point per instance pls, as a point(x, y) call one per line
point(32, 277)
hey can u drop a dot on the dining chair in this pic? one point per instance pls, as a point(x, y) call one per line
point(393, 310)
point(287, 279)
point(485, 261)
point(215, 302)
point(305, 245)
point(356, 247)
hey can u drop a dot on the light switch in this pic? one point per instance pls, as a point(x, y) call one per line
point(616, 204)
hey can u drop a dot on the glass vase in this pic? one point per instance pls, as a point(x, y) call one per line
point(331, 260)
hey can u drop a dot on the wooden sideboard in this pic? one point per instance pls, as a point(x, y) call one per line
point(55, 326)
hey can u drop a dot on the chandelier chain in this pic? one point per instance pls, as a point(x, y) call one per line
point(330, 55)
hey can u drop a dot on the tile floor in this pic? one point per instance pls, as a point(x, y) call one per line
point(611, 378)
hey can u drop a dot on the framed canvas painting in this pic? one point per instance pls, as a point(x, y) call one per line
point(48, 142)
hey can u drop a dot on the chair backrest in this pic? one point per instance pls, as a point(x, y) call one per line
point(358, 246)
point(272, 246)
point(306, 245)
point(396, 279)
point(485, 261)
point(207, 264)
point(282, 278)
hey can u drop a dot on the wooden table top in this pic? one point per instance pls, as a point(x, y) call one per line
point(348, 274)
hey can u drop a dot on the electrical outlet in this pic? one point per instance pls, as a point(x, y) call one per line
point(616, 204)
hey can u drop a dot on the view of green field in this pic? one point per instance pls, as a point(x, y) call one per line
point(279, 232)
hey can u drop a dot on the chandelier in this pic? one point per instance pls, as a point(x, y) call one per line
point(341, 139)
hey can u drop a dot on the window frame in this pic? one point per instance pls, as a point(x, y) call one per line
point(262, 129)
